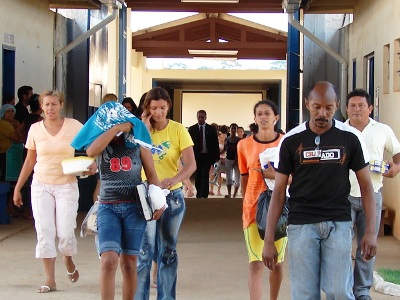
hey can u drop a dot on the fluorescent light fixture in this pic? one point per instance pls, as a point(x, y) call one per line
point(210, 1)
point(213, 52)
point(214, 58)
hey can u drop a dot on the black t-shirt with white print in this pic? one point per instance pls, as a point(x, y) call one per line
point(320, 183)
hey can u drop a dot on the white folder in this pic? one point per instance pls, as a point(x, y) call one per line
point(145, 200)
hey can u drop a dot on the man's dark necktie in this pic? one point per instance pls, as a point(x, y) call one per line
point(201, 138)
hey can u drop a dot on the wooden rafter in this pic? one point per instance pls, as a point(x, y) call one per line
point(211, 33)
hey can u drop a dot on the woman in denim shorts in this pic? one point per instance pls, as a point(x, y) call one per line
point(161, 236)
point(120, 223)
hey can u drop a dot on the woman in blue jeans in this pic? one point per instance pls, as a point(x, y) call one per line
point(120, 223)
point(173, 141)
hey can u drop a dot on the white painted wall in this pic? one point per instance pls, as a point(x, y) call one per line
point(377, 23)
point(31, 24)
point(222, 109)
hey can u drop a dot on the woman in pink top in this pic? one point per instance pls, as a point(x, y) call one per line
point(54, 195)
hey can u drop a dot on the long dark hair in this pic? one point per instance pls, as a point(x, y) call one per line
point(139, 110)
point(271, 104)
point(131, 102)
point(34, 103)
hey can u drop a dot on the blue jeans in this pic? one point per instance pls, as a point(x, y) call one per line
point(120, 228)
point(363, 270)
point(320, 258)
point(232, 173)
point(161, 237)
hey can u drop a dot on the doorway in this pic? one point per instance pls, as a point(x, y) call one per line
point(225, 101)
point(8, 74)
point(222, 108)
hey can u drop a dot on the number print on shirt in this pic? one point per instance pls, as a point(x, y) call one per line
point(118, 164)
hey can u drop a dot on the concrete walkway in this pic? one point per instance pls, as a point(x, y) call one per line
point(212, 259)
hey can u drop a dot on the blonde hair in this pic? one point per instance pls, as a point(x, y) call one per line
point(109, 97)
point(54, 93)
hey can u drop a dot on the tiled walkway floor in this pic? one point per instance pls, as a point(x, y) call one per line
point(212, 259)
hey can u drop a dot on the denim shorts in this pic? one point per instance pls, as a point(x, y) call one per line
point(120, 228)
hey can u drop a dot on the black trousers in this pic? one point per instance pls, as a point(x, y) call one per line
point(202, 175)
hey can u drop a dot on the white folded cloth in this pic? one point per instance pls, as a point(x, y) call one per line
point(158, 197)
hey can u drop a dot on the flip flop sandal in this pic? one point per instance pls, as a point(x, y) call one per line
point(73, 276)
point(45, 289)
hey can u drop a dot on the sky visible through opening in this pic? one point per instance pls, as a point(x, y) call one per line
point(142, 20)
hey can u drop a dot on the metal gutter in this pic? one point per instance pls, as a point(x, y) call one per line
point(59, 54)
point(343, 62)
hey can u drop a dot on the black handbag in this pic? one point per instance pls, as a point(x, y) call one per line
point(261, 216)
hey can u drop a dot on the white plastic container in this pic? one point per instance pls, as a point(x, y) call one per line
point(77, 165)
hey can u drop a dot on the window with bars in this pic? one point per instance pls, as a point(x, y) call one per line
point(369, 75)
point(354, 77)
point(396, 67)
point(386, 68)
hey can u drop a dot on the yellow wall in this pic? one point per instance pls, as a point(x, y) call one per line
point(377, 23)
point(141, 81)
point(222, 109)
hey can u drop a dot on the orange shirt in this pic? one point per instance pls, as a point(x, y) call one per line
point(248, 159)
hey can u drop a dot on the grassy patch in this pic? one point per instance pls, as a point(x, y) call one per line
point(390, 275)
